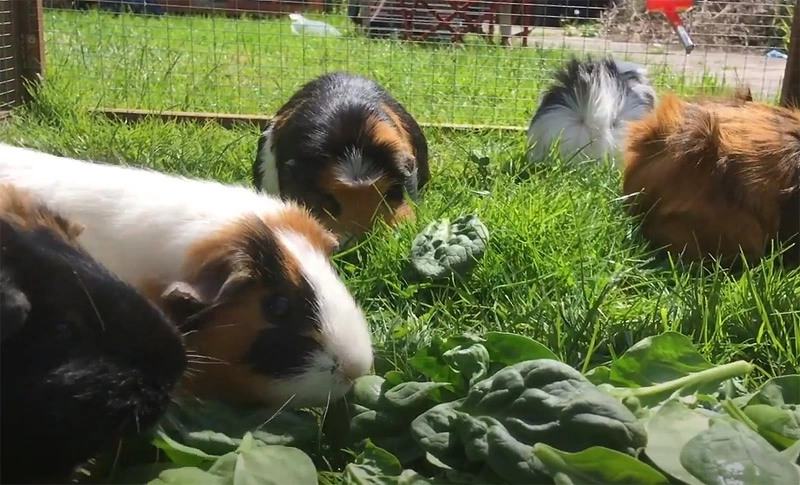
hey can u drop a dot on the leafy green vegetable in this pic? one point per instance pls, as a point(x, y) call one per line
point(253, 462)
point(775, 410)
point(377, 410)
point(499, 409)
point(446, 247)
point(730, 452)
point(217, 428)
point(668, 431)
point(534, 401)
point(181, 454)
point(656, 367)
point(471, 362)
point(596, 465)
point(377, 466)
point(509, 349)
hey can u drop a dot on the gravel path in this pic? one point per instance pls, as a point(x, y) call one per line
point(752, 67)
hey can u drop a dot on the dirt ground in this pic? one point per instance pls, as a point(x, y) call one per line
point(751, 67)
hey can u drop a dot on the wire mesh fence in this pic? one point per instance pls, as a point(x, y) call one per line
point(8, 74)
point(448, 61)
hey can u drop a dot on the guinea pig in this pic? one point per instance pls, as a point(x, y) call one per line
point(347, 150)
point(247, 276)
point(716, 179)
point(587, 110)
point(87, 360)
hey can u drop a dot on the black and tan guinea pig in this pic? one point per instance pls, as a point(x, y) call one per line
point(713, 177)
point(86, 360)
point(346, 149)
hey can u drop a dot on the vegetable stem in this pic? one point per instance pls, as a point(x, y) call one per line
point(736, 413)
point(720, 373)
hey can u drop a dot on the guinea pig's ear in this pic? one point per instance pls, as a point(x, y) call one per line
point(182, 299)
point(331, 243)
point(408, 166)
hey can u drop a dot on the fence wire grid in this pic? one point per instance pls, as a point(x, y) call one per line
point(449, 61)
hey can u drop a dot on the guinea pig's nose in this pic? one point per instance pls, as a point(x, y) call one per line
point(351, 372)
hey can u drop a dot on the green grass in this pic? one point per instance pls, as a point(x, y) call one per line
point(252, 66)
point(564, 266)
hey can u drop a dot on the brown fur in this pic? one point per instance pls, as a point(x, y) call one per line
point(715, 176)
point(19, 207)
point(297, 218)
point(218, 303)
point(361, 204)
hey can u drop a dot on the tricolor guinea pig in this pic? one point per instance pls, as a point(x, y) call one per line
point(86, 359)
point(716, 177)
point(346, 149)
point(587, 110)
point(247, 276)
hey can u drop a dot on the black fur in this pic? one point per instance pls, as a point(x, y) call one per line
point(327, 118)
point(574, 80)
point(86, 360)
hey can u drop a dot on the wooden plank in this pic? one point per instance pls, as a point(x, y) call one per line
point(28, 19)
point(790, 91)
point(231, 120)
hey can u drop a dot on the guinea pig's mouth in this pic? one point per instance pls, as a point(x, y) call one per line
point(313, 386)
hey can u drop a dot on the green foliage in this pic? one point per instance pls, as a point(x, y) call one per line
point(251, 66)
point(565, 280)
point(505, 419)
point(445, 247)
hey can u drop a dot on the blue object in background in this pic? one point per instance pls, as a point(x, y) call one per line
point(776, 54)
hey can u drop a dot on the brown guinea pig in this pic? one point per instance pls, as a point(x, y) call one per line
point(716, 178)
point(346, 149)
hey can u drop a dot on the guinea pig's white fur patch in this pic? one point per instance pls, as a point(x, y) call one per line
point(141, 224)
point(267, 167)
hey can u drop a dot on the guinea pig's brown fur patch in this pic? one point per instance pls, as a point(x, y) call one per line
point(362, 202)
point(19, 207)
point(220, 304)
point(715, 177)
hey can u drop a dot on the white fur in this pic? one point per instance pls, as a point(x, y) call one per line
point(268, 167)
point(354, 169)
point(140, 224)
point(593, 127)
point(335, 369)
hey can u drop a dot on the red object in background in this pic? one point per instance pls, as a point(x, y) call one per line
point(671, 10)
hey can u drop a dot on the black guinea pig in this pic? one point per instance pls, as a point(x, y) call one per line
point(348, 151)
point(86, 360)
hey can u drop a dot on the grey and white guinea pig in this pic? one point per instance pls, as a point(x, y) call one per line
point(86, 359)
point(247, 276)
point(588, 108)
point(346, 149)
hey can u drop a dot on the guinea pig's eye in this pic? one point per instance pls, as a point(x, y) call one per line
point(395, 193)
point(329, 205)
point(275, 306)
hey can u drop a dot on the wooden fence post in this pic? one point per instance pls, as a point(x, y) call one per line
point(790, 91)
point(22, 58)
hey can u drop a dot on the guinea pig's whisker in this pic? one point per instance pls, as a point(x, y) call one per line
point(91, 300)
point(204, 358)
point(324, 417)
point(275, 413)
